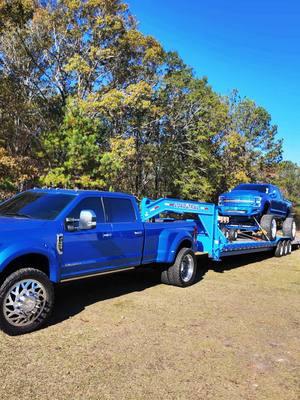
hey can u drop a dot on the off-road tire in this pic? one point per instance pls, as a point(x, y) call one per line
point(289, 228)
point(267, 223)
point(26, 274)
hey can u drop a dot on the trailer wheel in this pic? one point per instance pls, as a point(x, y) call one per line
point(232, 235)
point(269, 225)
point(289, 228)
point(289, 247)
point(183, 272)
point(285, 247)
point(279, 249)
point(26, 301)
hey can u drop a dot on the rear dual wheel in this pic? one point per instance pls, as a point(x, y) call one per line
point(183, 272)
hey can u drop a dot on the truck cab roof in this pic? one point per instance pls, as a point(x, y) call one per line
point(79, 192)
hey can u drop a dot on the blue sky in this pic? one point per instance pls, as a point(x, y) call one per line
point(252, 46)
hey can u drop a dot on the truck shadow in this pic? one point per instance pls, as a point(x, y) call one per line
point(73, 297)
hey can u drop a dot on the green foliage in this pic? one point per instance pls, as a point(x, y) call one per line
point(288, 178)
point(86, 100)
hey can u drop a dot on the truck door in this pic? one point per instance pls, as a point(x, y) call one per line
point(87, 251)
point(127, 231)
point(278, 205)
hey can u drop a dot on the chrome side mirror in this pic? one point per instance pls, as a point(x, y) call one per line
point(87, 220)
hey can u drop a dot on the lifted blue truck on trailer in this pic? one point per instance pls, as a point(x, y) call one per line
point(50, 236)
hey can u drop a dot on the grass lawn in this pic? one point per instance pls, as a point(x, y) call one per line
point(233, 335)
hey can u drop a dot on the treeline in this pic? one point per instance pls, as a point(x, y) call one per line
point(88, 101)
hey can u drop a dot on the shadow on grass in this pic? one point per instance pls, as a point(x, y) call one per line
point(74, 297)
point(243, 260)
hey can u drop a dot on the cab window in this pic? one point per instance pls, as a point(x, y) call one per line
point(119, 210)
point(89, 203)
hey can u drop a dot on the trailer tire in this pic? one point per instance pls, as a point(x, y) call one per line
point(285, 247)
point(269, 226)
point(183, 272)
point(26, 301)
point(232, 235)
point(289, 246)
point(279, 249)
point(289, 227)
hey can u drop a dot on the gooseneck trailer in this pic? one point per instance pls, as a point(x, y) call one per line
point(49, 236)
point(211, 239)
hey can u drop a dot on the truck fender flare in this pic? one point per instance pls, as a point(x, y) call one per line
point(13, 252)
point(174, 240)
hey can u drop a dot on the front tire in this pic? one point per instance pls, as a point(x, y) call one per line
point(26, 301)
point(183, 272)
point(269, 226)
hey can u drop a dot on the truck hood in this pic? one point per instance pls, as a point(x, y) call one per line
point(243, 194)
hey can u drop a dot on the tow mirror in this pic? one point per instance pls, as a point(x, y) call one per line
point(87, 220)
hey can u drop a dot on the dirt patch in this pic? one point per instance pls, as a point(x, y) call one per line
point(233, 335)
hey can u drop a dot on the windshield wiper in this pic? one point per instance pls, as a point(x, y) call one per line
point(16, 214)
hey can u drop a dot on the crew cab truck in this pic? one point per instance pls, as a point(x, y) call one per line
point(49, 236)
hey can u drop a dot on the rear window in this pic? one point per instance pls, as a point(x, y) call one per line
point(119, 210)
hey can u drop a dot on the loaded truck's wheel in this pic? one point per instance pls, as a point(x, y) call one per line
point(26, 301)
point(289, 228)
point(269, 226)
point(183, 272)
point(279, 249)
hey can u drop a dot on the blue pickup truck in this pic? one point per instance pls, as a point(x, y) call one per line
point(264, 202)
point(49, 236)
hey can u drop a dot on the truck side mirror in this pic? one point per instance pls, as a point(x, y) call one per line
point(273, 194)
point(87, 220)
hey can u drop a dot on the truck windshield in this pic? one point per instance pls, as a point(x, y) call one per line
point(35, 205)
point(257, 188)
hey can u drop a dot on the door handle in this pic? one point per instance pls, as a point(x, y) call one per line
point(107, 235)
point(137, 233)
